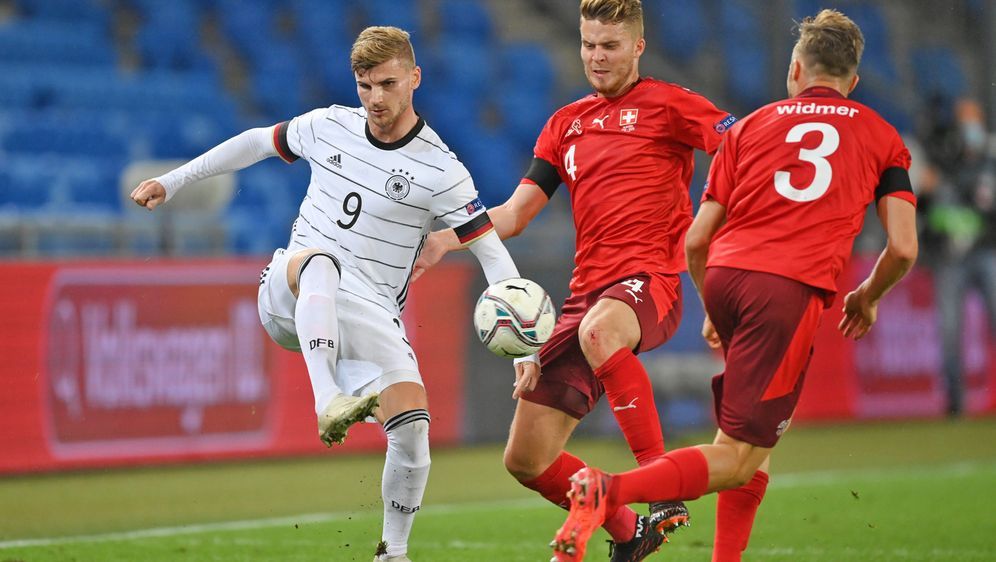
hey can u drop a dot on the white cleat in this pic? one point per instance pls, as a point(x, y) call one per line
point(399, 558)
point(341, 413)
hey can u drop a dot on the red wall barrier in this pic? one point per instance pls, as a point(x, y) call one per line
point(895, 371)
point(136, 362)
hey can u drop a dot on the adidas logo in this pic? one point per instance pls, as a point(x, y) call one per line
point(335, 160)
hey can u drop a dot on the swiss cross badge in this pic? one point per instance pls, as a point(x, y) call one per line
point(627, 119)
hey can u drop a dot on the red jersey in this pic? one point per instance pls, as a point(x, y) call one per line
point(796, 177)
point(627, 162)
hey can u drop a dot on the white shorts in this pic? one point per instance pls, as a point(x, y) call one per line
point(374, 352)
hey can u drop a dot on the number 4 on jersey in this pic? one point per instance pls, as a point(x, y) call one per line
point(569, 166)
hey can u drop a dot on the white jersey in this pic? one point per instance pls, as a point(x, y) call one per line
point(376, 201)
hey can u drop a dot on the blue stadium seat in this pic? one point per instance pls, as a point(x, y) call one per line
point(46, 135)
point(277, 82)
point(885, 105)
point(526, 65)
point(746, 53)
point(467, 19)
point(63, 183)
point(806, 8)
point(682, 26)
point(456, 118)
point(322, 21)
point(495, 164)
point(45, 41)
point(747, 70)
point(465, 67)
point(938, 71)
point(399, 13)
point(877, 57)
point(265, 205)
point(72, 11)
point(524, 113)
point(163, 48)
point(248, 25)
point(17, 93)
point(739, 20)
point(26, 186)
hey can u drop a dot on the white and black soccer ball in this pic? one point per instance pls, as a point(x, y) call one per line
point(514, 317)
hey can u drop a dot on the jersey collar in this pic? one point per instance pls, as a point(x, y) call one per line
point(820, 92)
point(398, 143)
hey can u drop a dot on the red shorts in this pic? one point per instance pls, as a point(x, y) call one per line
point(767, 324)
point(568, 383)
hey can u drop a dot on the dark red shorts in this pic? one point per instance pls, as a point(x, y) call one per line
point(767, 324)
point(568, 383)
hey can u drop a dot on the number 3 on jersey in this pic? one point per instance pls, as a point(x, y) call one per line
point(569, 166)
point(816, 156)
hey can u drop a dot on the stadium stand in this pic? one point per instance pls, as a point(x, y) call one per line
point(98, 84)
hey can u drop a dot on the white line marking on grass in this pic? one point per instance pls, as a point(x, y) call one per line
point(249, 524)
point(830, 477)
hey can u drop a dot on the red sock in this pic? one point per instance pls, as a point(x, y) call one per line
point(554, 483)
point(631, 396)
point(682, 474)
point(735, 510)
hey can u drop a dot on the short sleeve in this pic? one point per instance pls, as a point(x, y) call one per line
point(297, 135)
point(900, 157)
point(548, 145)
point(721, 180)
point(695, 121)
point(456, 203)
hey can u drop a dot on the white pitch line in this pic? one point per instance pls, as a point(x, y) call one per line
point(794, 480)
point(249, 524)
point(829, 477)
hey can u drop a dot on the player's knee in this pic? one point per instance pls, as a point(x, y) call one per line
point(740, 477)
point(318, 270)
point(408, 438)
point(596, 341)
point(742, 473)
point(521, 466)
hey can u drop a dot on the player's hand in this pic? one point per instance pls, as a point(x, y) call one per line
point(149, 194)
point(710, 335)
point(527, 374)
point(432, 252)
point(860, 314)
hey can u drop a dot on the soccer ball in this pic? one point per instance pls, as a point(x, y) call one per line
point(514, 317)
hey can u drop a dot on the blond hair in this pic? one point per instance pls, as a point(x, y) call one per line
point(379, 44)
point(830, 44)
point(626, 12)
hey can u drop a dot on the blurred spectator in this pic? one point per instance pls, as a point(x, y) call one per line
point(957, 195)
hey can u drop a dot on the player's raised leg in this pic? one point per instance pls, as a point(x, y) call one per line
point(405, 417)
point(537, 459)
point(639, 313)
point(314, 276)
point(682, 474)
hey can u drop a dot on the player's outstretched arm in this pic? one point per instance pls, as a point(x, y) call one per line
point(709, 219)
point(898, 216)
point(509, 219)
point(240, 151)
point(498, 266)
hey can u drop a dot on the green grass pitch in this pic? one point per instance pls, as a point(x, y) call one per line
point(919, 491)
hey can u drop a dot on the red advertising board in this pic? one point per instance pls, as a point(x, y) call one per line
point(895, 371)
point(121, 363)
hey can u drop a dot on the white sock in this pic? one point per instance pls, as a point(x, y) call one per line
point(406, 471)
point(318, 326)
